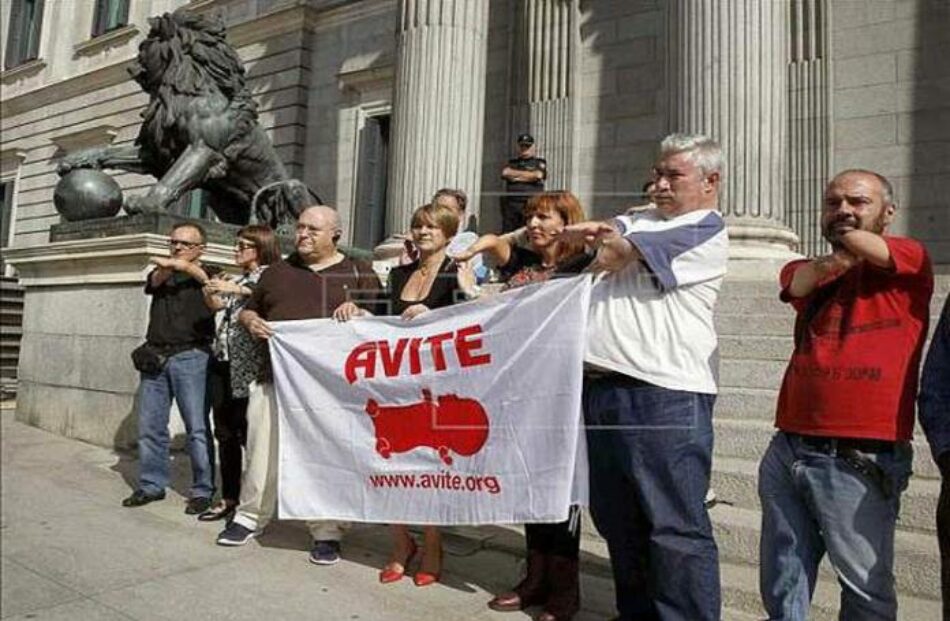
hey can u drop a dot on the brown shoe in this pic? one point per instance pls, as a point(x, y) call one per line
point(531, 591)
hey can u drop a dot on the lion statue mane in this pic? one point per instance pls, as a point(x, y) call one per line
point(200, 130)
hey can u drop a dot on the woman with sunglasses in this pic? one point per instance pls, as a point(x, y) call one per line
point(237, 359)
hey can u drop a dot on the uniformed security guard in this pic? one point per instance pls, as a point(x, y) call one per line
point(524, 175)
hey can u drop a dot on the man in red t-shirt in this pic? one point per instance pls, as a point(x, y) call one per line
point(831, 479)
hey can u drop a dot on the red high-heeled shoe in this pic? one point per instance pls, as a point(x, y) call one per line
point(425, 578)
point(391, 574)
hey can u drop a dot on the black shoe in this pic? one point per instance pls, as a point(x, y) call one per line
point(325, 553)
point(236, 535)
point(221, 511)
point(196, 506)
point(140, 497)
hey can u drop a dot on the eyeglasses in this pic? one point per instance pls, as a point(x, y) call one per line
point(305, 229)
point(174, 243)
point(243, 245)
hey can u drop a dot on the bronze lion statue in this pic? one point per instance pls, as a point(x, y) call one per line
point(200, 130)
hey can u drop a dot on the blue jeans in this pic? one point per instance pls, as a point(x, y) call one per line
point(814, 503)
point(650, 452)
point(184, 378)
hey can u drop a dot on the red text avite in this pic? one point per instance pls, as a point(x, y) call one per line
point(410, 356)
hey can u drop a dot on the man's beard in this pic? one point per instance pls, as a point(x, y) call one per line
point(832, 236)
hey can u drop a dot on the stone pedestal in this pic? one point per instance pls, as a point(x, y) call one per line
point(438, 106)
point(84, 312)
point(728, 80)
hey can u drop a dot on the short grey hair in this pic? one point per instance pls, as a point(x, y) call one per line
point(887, 190)
point(703, 150)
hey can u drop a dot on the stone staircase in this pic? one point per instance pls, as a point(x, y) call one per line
point(755, 338)
point(11, 329)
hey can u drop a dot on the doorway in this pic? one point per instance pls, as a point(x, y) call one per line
point(369, 209)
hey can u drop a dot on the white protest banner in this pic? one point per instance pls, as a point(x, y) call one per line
point(469, 414)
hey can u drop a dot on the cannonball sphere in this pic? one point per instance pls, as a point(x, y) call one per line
point(84, 194)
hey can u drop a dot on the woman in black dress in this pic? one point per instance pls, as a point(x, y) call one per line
point(427, 283)
point(553, 549)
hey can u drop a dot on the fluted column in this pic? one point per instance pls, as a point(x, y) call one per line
point(728, 79)
point(544, 101)
point(438, 105)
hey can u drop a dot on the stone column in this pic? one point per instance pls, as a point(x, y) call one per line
point(544, 106)
point(439, 104)
point(728, 79)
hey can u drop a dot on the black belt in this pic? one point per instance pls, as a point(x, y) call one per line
point(171, 350)
point(833, 446)
point(598, 375)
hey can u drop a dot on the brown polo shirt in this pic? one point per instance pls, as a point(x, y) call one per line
point(290, 290)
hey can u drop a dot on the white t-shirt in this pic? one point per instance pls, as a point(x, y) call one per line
point(653, 320)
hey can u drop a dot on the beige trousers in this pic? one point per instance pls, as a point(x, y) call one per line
point(259, 479)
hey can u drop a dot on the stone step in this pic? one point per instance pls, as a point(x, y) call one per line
point(736, 481)
point(755, 347)
point(762, 374)
point(764, 325)
point(754, 403)
point(915, 563)
point(768, 287)
point(748, 439)
point(740, 592)
point(754, 305)
point(760, 305)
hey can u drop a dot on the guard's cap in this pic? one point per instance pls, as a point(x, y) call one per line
point(525, 139)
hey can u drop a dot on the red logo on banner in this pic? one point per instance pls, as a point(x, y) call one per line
point(450, 424)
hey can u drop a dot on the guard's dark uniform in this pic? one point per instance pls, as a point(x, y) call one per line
point(518, 193)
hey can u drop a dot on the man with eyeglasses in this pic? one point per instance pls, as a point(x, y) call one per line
point(315, 282)
point(180, 330)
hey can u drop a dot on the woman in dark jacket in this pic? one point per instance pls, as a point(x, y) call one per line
point(553, 549)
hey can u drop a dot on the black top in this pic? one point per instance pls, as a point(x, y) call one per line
point(528, 163)
point(444, 292)
point(178, 316)
point(524, 267)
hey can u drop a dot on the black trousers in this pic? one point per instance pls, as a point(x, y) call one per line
point(230, 428)
point(554, 539)
point(512, 211)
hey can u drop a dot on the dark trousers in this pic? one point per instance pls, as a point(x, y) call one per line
point(555, 539)
point(230, 428)
point(943, 536)
point(650, 452)
point(512, 212)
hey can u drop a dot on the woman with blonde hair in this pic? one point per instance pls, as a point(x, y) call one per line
point(429, 282)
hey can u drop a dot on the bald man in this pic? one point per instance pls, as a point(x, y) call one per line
point(831, 479)
point(315, 282)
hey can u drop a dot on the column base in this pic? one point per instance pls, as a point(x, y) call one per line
point(756, 238)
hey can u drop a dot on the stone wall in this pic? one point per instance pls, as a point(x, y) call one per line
point(891, 104)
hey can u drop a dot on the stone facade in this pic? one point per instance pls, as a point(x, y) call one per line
point(598, 82)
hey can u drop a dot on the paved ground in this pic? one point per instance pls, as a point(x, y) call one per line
point(70, 551)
